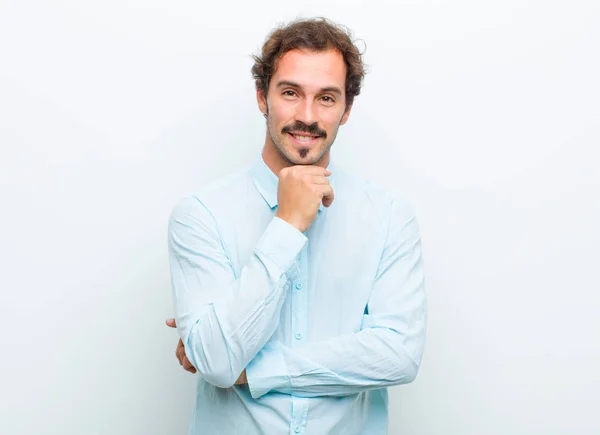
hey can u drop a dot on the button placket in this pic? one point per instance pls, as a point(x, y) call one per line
point(299, 299)
point(299, 415)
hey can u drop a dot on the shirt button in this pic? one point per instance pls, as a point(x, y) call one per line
point(298, 336)
point(297, 430)
point(299, 285)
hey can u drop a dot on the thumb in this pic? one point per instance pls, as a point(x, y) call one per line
point(171, 322)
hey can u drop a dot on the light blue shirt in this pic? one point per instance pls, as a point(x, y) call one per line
point(322, 321)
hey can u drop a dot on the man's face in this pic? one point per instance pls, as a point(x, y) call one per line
point(305, 104)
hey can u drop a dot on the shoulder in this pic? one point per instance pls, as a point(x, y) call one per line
point(213, 196)
point(387, 204)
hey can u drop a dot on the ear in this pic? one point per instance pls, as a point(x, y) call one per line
point(262, 101)
point(346, 115)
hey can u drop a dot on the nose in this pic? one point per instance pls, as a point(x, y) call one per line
point(306, 112)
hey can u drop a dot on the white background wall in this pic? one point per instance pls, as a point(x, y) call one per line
point(485, 115)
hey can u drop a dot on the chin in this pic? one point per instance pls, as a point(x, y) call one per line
point(297, 160)
point(291, 152)
point(309, 159)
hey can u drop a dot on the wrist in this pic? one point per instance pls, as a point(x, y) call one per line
point(296, 223)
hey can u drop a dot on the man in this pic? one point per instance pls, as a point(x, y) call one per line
point(298, 288)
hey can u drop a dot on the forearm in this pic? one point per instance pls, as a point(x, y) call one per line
point(224, 336)
point(386, 351)
point(224, 324)
point(349, 364)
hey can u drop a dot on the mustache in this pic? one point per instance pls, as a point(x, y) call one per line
point(299, 126)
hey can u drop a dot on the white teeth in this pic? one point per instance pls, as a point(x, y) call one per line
point(304, 138)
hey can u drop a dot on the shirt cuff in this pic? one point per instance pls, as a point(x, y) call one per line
point(267, 371)
point(282, 243)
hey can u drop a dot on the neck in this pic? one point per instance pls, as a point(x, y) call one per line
point(277, 161)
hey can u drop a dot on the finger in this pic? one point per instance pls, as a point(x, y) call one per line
point(186, 363)
point(328, 195)
point(318, 179)
point(171, 322)
point(180, 352)
point(326, 191)
point(312, 170)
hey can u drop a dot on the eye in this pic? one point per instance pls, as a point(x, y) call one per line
point(288, 93)
point(327, 99)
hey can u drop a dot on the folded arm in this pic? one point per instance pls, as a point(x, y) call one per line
point(223, 321)
point(386, 351)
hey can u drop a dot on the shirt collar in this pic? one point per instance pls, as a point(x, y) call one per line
point(266, 181)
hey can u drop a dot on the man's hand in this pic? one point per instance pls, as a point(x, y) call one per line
point(301, 190)
point(183, 361)
point(180, 351)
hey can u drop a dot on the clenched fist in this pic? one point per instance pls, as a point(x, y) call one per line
point(301, 190)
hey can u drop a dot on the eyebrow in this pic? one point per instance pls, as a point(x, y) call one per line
point(333, 89)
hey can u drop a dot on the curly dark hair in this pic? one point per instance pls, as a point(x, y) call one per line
point(318, 34)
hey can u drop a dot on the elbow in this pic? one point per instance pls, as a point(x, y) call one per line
point(214, 369)
point(406, 365)
point(218, 378)
point(402, 365)
point(410, 369)
point(411, 373)
point(211, 360)
point(217, 371)
point(405, 373)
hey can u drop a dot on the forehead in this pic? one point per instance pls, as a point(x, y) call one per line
point(318, 69)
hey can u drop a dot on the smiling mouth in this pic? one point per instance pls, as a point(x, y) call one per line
point(304, 138)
